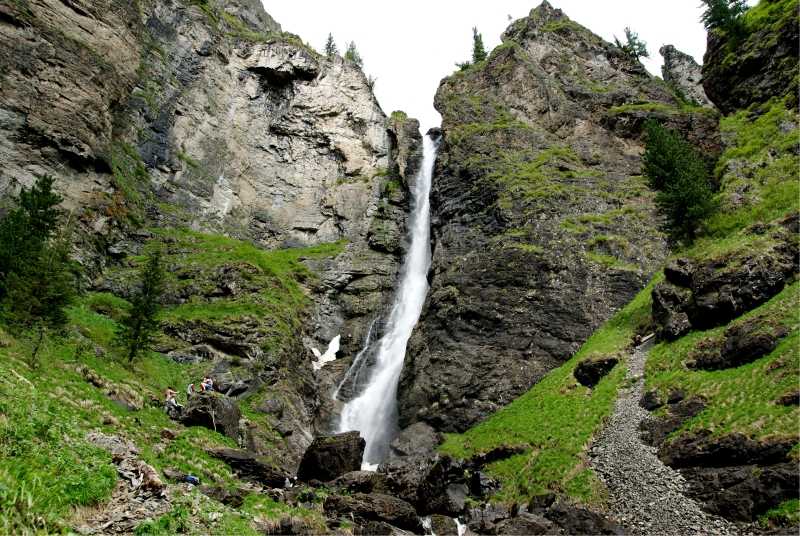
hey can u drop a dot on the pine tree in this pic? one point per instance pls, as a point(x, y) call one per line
point(26, 228)
point(633, 46)
point(724, 14)
point(678, 172)
point(352, 55)
point(36, 278)
point(138, 328)
point(478, 51)
point(330, 47)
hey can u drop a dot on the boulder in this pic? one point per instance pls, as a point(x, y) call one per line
point(576, 520)
point(271, 407)
point(703, 449)
point(651, 400)
point(443, 526)
point(419, 439)
point(656, 430)
point(790, 399)
point(742, 343)
point(486, 518)
point(742, 493)
point(526, 524)
point(250, 466)
point(589, 372)
point(374, 507)
point(229, 497)
point(331, 456)
point(361, 482)
point(214, 411)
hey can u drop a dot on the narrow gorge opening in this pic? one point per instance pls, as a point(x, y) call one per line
point(373, 412)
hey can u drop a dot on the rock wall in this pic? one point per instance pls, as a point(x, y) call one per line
point(205, 115)
point(684, 74)
point(543, 225)
point(756, 63)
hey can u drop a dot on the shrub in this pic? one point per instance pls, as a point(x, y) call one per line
point(352, 55)
point(724, 14)
point(633, 47)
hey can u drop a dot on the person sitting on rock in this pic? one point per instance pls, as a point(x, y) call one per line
point(170, 401)
point(189, 391)
point(208, 384)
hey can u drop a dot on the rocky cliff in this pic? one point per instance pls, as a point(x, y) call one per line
point(755, 60)
point(204, 115)
point(543, 225)
point(684, 74)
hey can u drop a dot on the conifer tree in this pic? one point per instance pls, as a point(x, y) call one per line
point(633, 46)
point(724, 14)
point(352, 55)
point(330, 47)
point(36, 278)
point(478, 51)
point(678, 172)
point(138, 328)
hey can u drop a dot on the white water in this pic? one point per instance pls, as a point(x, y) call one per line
point(374, 412)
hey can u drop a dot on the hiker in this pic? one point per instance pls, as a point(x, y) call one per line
point(189, 391)
point(170, 398)
point(208, 384)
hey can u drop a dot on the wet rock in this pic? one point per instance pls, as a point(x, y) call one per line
point(434, 486)
point(374, 507)
point(419, 439)
point(481, 485)
point(213, 411)
point(486, 518)
point(540, 502)
point(589, 372)
point(195, 354)
point(443, 526)
point(331, 456)
point(250, 466)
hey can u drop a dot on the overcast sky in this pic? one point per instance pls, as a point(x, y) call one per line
point(410, 45)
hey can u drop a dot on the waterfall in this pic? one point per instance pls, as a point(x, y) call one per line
point(374, 412)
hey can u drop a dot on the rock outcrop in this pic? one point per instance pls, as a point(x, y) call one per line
point(589, 372)
point(331, 456)
point(684, 74)
point(757, 62)
point(214, 411)
point(542, 224)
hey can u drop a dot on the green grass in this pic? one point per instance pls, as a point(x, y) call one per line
point(740, 399)
point(764, 158)
point(556, 420)
point(784, 515)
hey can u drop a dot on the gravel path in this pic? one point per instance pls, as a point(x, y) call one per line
point(645, 495)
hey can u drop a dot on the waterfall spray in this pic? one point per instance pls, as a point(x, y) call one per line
point(374, 411)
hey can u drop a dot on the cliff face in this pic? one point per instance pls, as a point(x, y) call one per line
point(164, 114)
point(543, 225)
point(756, 62)
point(684, 74)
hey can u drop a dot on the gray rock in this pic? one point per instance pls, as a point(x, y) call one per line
point(684, 74)
point(331, 456)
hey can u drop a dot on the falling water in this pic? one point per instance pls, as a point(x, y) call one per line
point(374, 412)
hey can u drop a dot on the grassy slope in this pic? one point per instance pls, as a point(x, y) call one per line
point(556, 419)
point(46, 467)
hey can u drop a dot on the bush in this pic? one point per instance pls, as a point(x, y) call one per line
point(137, 329)
point(679, 173)
point(724, 14)
point(633, 47)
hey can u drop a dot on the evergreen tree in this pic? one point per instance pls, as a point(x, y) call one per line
point(36, 279)
point(330, 47)
point(678, 172)
point(633, 46)
point(352, 55)
point(478, 52)
point(25, 229)
point(724, 14)
point(137, 329)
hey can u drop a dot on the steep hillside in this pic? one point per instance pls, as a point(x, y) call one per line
point(721, 379)
point(543, 224)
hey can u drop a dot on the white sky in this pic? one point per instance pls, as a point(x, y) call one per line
point(410, 45)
